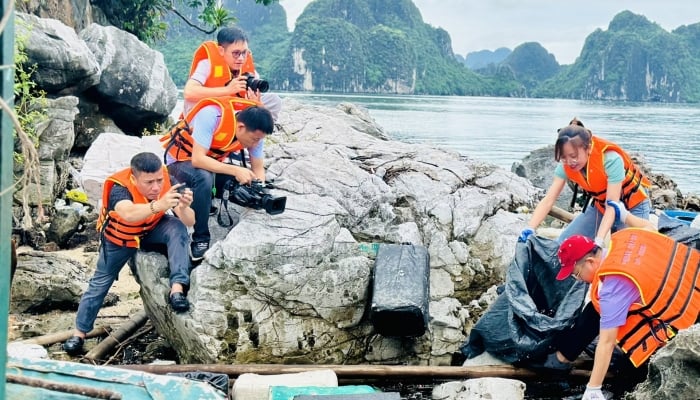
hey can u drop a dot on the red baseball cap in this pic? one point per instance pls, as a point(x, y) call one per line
point(571, 251)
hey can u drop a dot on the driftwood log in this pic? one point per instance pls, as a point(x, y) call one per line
point(561, 214)
point(78, 390)
point(48, 340)
point(365, 372)
point(125, 330)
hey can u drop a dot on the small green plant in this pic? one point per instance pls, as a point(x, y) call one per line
point(28, 112)
point(29, 101)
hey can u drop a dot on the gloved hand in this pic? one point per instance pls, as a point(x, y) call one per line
point(593, 393)
point(621, 212)
point(599, 242)
point(525, 234)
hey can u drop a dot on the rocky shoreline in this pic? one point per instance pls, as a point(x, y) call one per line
point(292, 288)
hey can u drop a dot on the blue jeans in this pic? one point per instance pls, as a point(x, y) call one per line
point(169, 231)
point(588, 222)
point(200, 181)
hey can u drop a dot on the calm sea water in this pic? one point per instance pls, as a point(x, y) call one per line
point(504, 130)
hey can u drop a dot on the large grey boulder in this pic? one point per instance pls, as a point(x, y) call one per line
point(673, 370)
point(75, 13)
point(294, 287)
point(109, 153)
point(56, 133)
point(135, 88)
point(64, 64)
point(538, 167)
point(46, 281)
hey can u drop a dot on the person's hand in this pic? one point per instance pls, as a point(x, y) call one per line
point(186, 196)
point(254, 95)
point(237, 85)
point(170, 199)
point(600, 242)
point(243, 175)
point(621, 212)
point(593, 393)
point(525, 234)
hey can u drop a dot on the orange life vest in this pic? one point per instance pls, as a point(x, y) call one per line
point(595, 181)
point(114, 227)
point(667, 275)
point(219, 73)
point(178, 141)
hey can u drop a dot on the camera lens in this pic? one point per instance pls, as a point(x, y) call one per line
point(257, 84)
point(261, 85)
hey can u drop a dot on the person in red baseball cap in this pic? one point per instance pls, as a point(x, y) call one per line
point(573, 250)
point(626, 309)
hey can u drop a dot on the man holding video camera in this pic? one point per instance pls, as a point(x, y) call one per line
point(198, 146)
point(226, 68)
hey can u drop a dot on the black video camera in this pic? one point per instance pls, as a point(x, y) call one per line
point(255, 196)
point(256, 84)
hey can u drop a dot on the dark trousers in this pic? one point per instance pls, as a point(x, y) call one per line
point(200, 181)
point(170, 231)
point(572, 341)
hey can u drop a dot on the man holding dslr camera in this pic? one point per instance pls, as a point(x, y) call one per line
point(198, 147)
point(222, 82)
point(226, 68)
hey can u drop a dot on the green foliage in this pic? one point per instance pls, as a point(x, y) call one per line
point(634, 60)
point(531, 64)
point(28, 99)
point(265, 26)
point(375, 46)
point(144, 18)
point(372, 46)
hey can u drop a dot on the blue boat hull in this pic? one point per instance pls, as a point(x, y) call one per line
point(683, 216)
point(63, 380)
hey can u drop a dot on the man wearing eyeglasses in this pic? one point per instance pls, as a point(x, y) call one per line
point(218, 69)
point(641, 294)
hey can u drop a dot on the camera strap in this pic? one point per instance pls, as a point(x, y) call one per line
point(220, 214)
point(223, 201)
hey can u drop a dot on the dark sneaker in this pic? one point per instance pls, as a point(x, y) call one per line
point(179, 302)
point(74, 345)
point(198, 249)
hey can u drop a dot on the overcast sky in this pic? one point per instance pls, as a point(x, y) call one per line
point(560, 26)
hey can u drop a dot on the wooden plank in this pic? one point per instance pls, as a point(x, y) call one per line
point(364, 371)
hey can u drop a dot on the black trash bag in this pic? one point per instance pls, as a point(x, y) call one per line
point(521, 324)
point(219, 381)
point(679, 231)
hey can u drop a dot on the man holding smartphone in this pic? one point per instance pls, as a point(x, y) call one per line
point(133, 213)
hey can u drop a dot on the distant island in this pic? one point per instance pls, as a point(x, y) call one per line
point(349, 47)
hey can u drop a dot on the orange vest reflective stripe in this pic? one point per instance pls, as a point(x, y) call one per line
point(667, 275)
point(595, 181)
point(116, 229)
point(219, 72)
point(178, 142)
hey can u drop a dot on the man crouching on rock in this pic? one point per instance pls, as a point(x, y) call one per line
point(134, 205)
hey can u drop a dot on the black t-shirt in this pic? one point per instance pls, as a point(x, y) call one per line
point(119, 193)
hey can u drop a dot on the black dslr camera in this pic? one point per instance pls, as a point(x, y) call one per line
point(255, 196)
point(256, 84)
